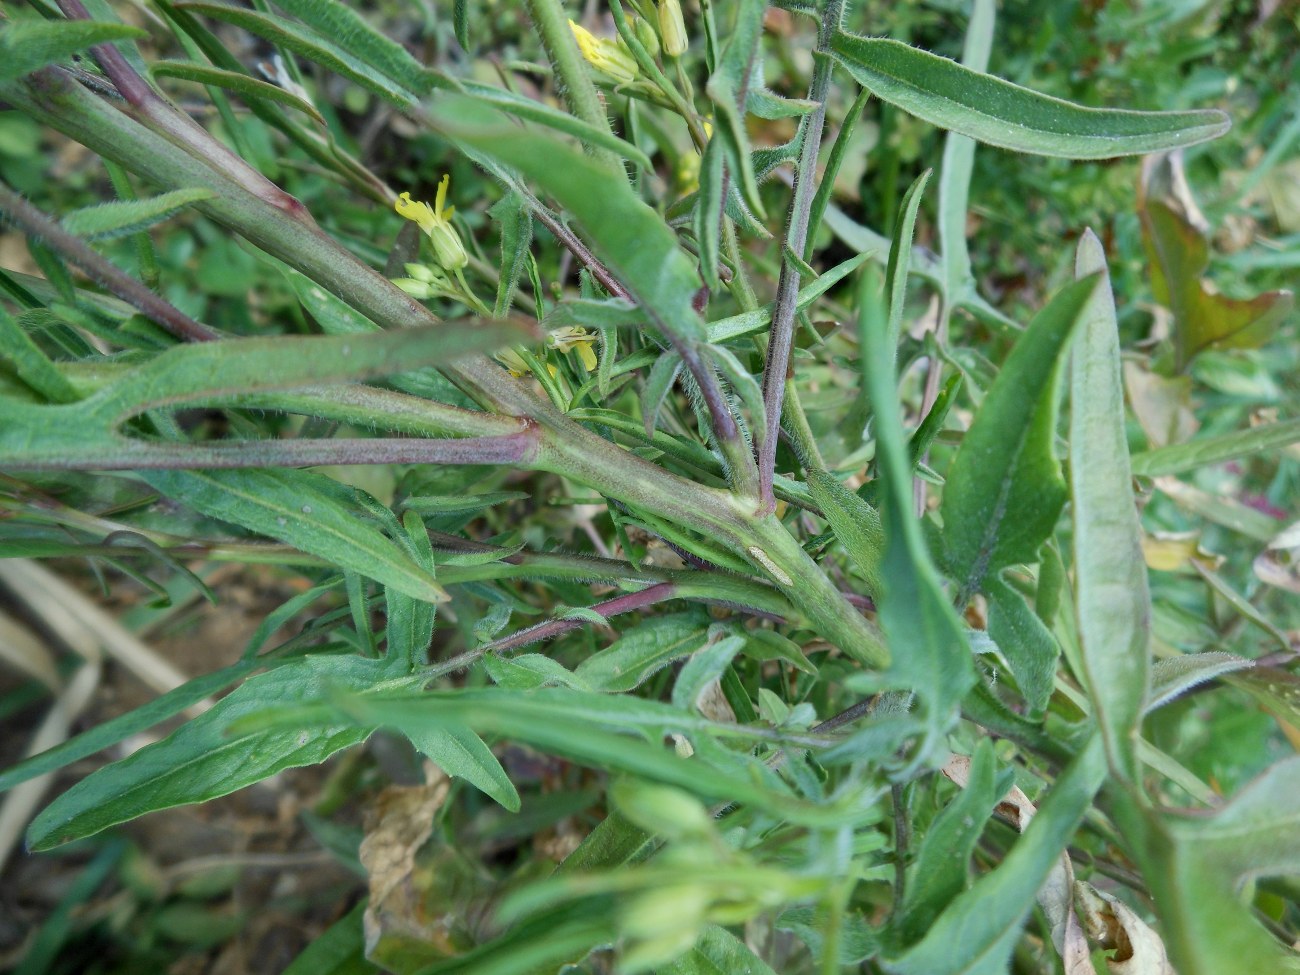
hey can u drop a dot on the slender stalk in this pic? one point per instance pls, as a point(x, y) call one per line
point(777, 369)
point(550, 629)
point(575, 246)
point(125, 455)
point(36, 224)
point(575, 83)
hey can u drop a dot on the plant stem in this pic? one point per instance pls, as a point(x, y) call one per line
point(178, 127)
point(37, 225)
point(123, 454)
point(548, 630)
point(570, 69)
point(777, 369)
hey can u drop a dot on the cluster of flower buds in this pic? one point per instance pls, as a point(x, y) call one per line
point(612, 58)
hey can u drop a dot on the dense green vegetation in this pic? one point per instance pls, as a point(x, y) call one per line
point(799, 488)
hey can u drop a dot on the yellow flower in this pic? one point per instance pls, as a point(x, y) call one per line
point(574, 338)
point(436, 224)
point(672, 28)
point(611, 57)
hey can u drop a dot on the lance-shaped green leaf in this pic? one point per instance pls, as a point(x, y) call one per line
point(353, 33)
point(927, 643)
point(978, 932)
point(202, 759)
point(308, 511)
point(1110, 576)
point(643, 651)
point(855, 523)
point(1206, 451)
point(462, 754)
point(246, 86)
point(26, 45)
point(950, 839)
point(313, 46)
point(1024, 640)
point(998, 113)
point(121, 217)
point(1005, 489)
point(535, 111)
point(630, 237)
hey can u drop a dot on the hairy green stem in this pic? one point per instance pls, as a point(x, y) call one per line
point(777, 368)
point(570, 69)
point(123, 454)
point(37, 225)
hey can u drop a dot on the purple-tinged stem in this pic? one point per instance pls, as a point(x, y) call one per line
point(178, 127)
point(514, 448)
point(548, 630)
point(777, 368)
point(33, 222)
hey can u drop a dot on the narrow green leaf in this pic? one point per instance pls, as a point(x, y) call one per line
point(462, 754)
point(1005, 490)
point(26, 45)
point(106, 221)
point(657, 386)
point(347, 28)
point(543, 114)
point(118, 729)
point(959, 161)
point(1174, 676)
point(1112, 601)
point(460, 23)
point(642, 651)
point(1028, 645)
point(705, 667)
point(933, 881)
point(927, 642)
point(1177, 458)
point(634, 241)
point(855, 523)
point(900, 257)
point(999, 113)
point(707, 216)
point(749, 322)
point(302, 509)
point(202, 759)
point(978, 932)
point(516, 223)
point(743, 384)
point(31, 364)
point(216, 372)
point(717, 952)
point(244, 85)
point(309, 44)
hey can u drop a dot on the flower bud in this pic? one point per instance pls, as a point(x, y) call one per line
point(647, 36)
point(609, 56)
point(672, 28)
